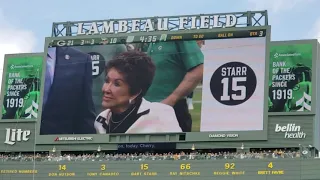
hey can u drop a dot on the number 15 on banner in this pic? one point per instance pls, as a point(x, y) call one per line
point(233, 83)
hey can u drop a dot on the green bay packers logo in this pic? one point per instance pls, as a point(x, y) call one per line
point(233, 83)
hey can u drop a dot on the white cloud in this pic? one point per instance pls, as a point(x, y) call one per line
point(315, 30)
point(275, 6)
point(14, 40)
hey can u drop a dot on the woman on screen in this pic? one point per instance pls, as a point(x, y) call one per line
point(128, 77)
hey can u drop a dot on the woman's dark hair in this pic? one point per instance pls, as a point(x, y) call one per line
point(137, 69)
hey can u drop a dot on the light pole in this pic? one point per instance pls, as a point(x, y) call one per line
point(193, 147)
point(54, 149)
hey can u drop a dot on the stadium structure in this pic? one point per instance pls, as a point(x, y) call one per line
point(255, 112)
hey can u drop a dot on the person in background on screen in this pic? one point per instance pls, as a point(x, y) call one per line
point(128, 77)
point(190, 96)
point(179, 71)
point(67, 98)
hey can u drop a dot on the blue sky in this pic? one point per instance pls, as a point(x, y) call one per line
point(24, 24)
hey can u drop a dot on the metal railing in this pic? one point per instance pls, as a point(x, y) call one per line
point(153, 157)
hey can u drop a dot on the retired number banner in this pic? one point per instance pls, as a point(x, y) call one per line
point(233, 85)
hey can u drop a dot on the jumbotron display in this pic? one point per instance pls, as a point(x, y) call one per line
point(137, 84)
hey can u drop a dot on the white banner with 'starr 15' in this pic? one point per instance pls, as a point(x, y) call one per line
point(233, 85)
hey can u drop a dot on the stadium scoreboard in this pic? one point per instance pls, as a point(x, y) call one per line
point(230, 78)
point(131, 38)
point(208, 169)
point(219, 43)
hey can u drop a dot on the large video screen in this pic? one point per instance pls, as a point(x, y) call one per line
point(154, 84)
